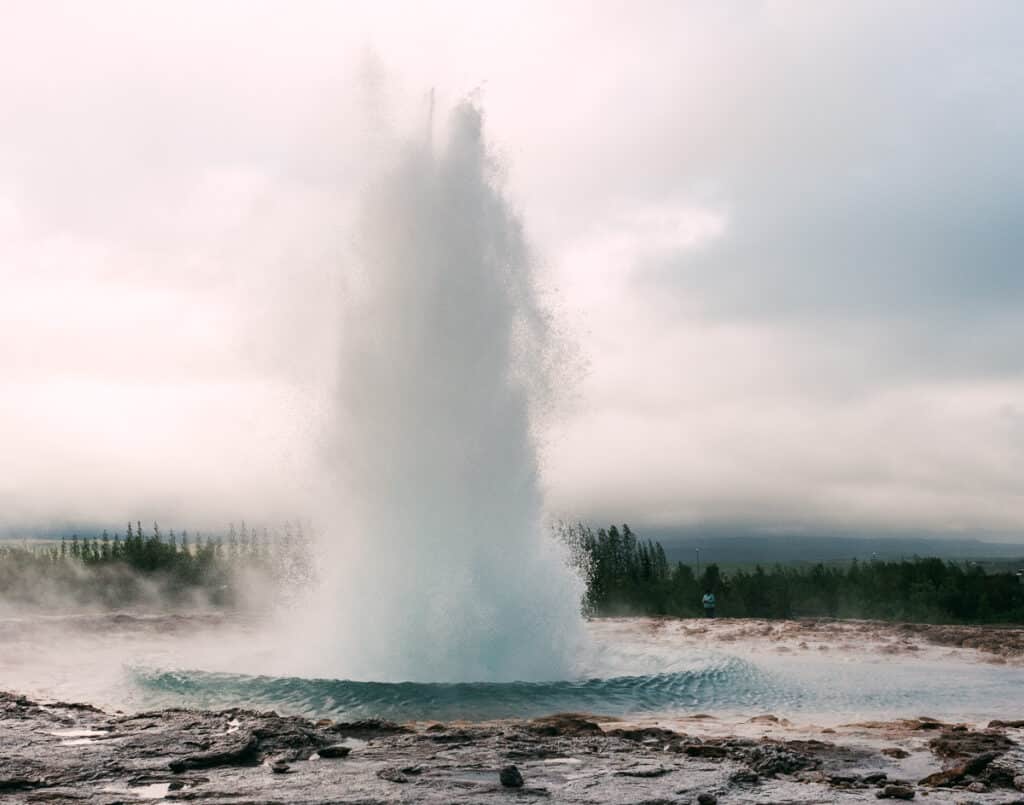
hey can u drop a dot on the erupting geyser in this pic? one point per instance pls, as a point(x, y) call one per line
point(438, 565)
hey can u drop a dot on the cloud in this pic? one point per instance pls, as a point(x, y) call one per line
point(785, 235)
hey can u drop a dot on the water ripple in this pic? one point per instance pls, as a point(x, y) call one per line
point(723, 683)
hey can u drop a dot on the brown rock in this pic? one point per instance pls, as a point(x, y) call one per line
point(896, 792)
point(945, 778)
point(706, 750)
point(646, 734)
point(564, 724)
point(966, 744)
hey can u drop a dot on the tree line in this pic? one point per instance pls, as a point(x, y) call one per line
point(153, 566)
point(625, 574)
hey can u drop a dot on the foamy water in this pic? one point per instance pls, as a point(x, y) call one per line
point(629, 670)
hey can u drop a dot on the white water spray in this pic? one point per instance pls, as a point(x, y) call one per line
point(439, 565)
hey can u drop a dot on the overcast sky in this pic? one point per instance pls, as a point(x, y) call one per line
point(785, 237)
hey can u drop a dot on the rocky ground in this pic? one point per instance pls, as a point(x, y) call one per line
point(998, 645)
point(62, 753)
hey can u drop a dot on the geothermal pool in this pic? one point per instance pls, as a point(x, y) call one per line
point(633, 668)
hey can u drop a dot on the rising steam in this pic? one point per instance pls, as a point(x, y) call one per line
point(437, 565)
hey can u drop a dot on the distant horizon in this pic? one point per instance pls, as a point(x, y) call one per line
point(667, 535)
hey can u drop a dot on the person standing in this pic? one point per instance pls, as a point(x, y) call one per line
point(709, 604)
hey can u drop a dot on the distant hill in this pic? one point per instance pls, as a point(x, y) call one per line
point(742, 549)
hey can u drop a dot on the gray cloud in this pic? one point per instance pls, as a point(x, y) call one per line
point(786, 235)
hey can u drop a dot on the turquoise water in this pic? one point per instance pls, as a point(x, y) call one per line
point(727, 682)
point(721, 683)
point(628, 668)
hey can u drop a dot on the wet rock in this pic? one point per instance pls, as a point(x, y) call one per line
point(999, 774)
point(88, 708)
point(291, 738)
point(243, 751)
point(1002, 725)
point(978, 763)
point(369, 728)
point(510, 777)
point(433, 771)
point(564, 724)
point(392, 775)
point(772, 759)
point(334, 751)
point(965, 744)
point(877, 778)
point(895, 752)
point(896, 792)
point(707, 799)
point(956, 774)
point(705, 750)
point(455, 736)
point(944, 778)
point(646, 734)
point(535, 753)
point(643, 771)
point(280, 767)
point(8, 784)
